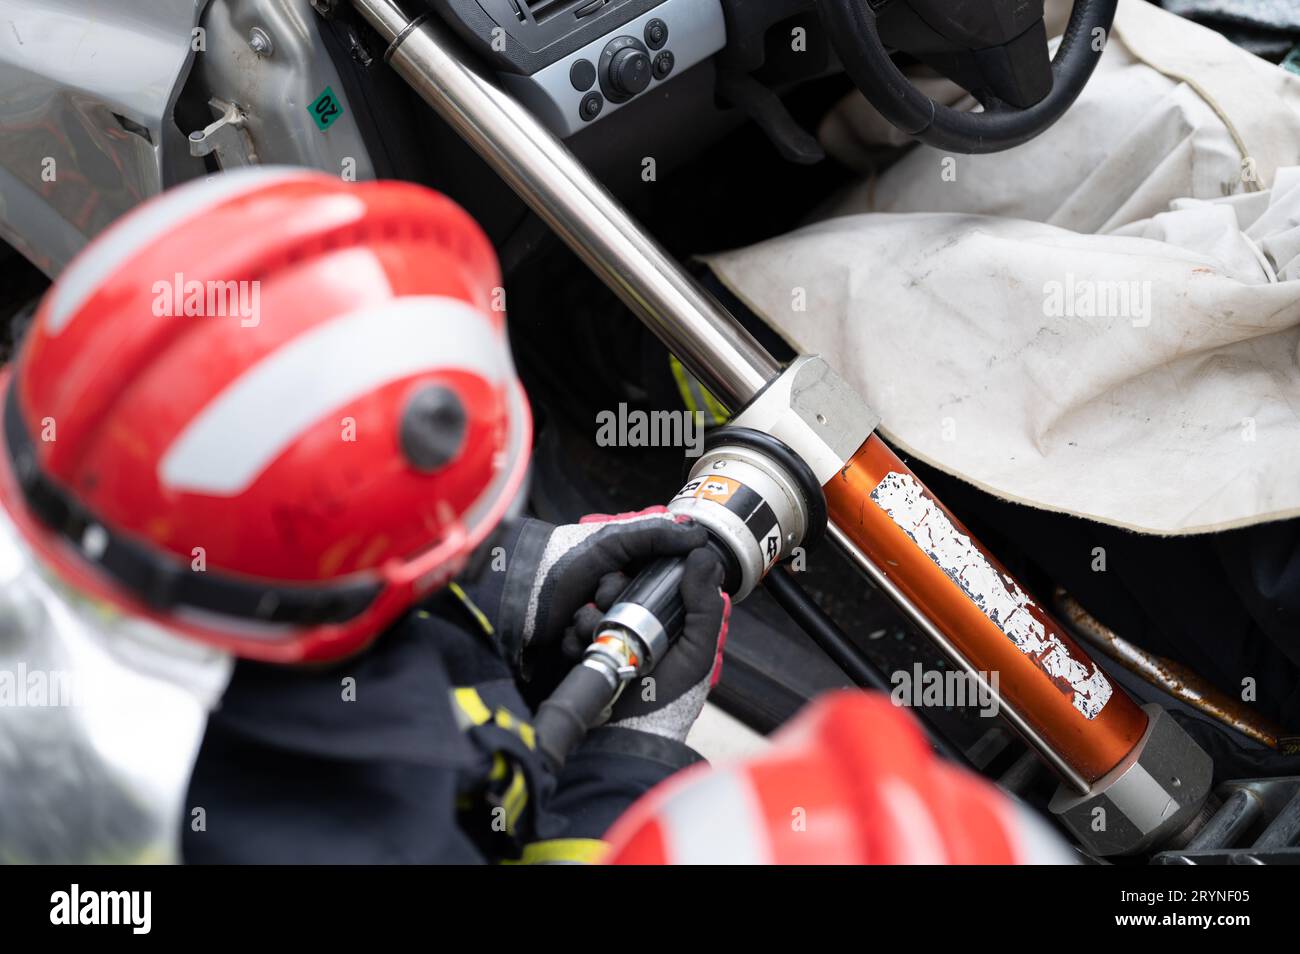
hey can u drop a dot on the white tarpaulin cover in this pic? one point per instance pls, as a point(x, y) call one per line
point(1104, 321)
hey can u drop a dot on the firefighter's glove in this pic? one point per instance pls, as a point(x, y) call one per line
point(553, 571)
point(667, 701)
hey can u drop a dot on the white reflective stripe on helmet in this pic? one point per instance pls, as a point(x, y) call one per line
point(107, 253)
point(715, 820)
point(517, 442)
point(1034, 842)
point(923, 843)
point(242, 430)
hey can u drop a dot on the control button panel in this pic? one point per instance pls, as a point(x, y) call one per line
point(582, 74)
point(606, 74)
point(591, 106)
point(663, 65)
point(624, 69)
point(656, 34)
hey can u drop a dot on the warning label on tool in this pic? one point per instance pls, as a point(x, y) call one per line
point(718, 489)
point(771, 544)
point(745, 503)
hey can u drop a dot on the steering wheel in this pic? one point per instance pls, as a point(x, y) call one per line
point(996, 49)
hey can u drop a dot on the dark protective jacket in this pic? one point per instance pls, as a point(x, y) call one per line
point(417, 750)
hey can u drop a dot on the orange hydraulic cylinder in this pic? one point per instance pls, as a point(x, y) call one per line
point(1043, 674)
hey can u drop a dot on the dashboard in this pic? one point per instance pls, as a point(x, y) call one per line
point(575, 62)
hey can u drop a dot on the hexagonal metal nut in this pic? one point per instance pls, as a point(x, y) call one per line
point(1152, 795)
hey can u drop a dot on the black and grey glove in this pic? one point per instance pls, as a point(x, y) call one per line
point(667, 701)
point(553, 571)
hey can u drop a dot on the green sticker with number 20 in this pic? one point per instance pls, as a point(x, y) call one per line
point(325, 109)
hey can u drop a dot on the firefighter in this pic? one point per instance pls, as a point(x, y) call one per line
point(276, 413)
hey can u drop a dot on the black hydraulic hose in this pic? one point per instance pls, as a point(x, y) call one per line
point(825, 632)
point(578, 703)
point(566, 716)
point(828, 635)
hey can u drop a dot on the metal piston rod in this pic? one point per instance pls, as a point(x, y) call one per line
point(715, 347)
point(566, 197)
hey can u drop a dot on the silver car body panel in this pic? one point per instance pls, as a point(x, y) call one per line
point(88, 89)
point(275, 90)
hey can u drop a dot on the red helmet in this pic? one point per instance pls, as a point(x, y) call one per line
point(271, 410)
point(850, 781)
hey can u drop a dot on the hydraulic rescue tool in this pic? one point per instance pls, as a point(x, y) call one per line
point(759, 501)
point(1130, 765)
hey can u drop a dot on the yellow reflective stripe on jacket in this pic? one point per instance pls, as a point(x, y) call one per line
point(515, 799)
point(471, 705)
point(471, 711)
point(520, 728)
point(499, 767)
point(575, 851)
point(696, 397)
point(479, 616)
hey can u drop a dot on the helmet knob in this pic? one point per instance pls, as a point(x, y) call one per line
point(433, 428)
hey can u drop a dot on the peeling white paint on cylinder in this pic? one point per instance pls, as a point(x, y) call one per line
point(906, 502)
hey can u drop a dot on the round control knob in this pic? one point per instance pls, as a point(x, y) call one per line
point(629, 71)
point(663, 64)
point(656, 33)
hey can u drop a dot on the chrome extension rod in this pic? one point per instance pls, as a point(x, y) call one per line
point(684, 316)
point(564, 194)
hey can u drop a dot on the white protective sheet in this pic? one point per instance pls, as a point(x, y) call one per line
point(1104, 321)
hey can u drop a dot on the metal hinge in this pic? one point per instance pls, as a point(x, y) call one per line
point(227, 137)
